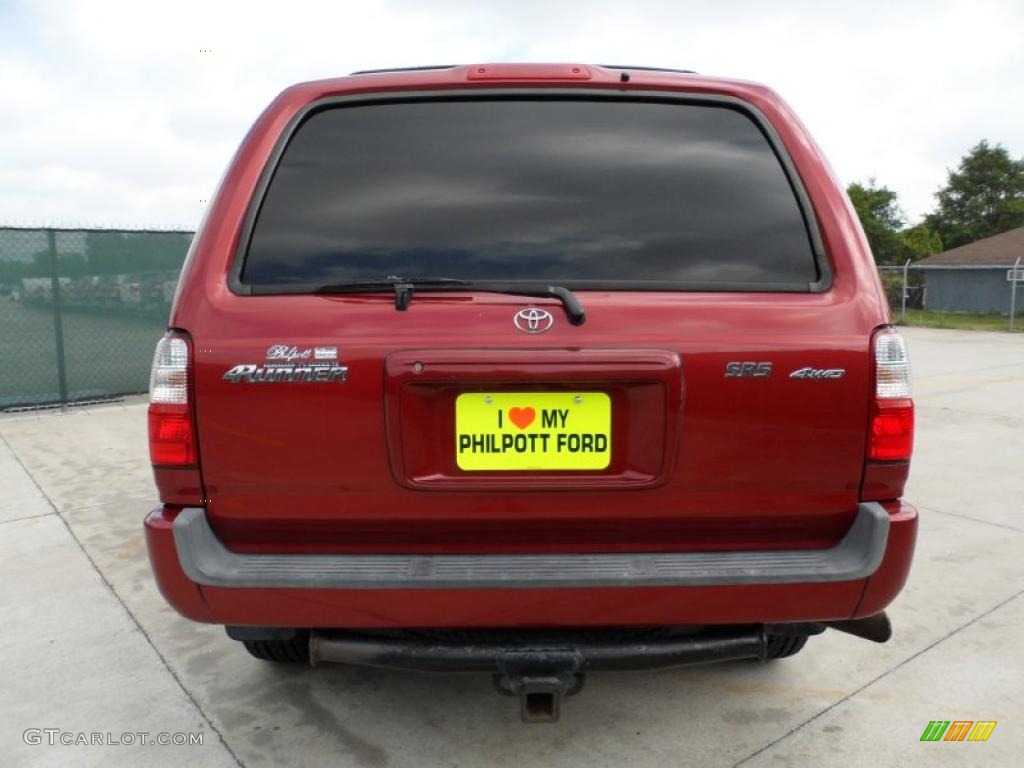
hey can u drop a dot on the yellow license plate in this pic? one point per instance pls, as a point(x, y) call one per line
point(533, 430)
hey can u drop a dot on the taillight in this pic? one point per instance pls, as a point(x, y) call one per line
point(171, 434)
point(891, 432)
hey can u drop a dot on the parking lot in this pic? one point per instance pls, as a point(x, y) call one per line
point(89, 645)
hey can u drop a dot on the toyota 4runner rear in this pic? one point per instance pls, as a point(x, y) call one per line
point(532, 370)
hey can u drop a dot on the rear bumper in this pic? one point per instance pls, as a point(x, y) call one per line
point(205, 581)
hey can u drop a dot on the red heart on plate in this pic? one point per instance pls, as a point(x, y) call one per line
point(522, 417)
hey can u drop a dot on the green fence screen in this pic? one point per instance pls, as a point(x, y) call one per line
point(81, 311)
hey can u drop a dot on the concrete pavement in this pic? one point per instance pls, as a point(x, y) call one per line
point(89, 645)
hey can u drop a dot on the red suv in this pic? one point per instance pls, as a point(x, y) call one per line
point(532, 370)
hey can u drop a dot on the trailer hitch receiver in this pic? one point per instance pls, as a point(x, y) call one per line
point(540, 679)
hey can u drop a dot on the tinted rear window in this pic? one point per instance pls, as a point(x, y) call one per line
point(579, 193)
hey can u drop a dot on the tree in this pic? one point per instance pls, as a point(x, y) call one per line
point(881, 217)
point(984, 196)
point(920, 241)
point(885, 224)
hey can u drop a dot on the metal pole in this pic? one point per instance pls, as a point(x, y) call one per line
point(903, 308)
point(1013, 291)
point(58, 320)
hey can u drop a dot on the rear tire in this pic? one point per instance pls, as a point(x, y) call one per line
point(783, 646)
point(293, 651)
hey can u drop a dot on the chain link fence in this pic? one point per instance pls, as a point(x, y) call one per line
point(956, 289)
point(81, 311)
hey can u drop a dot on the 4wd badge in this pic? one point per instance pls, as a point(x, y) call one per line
point(818, 373)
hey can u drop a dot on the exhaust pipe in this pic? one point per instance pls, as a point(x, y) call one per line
point(877, 628)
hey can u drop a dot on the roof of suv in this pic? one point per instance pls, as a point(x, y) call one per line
point(453, 66)
point(533, 74)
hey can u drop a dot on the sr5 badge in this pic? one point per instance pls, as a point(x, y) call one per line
point(753, 370)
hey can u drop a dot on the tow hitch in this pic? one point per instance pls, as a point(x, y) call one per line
point(540, 679)
point(540, 667)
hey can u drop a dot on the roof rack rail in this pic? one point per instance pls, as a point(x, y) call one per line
point(649, 69)
point(402, 69)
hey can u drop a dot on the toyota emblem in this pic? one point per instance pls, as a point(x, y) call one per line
point(533, 320)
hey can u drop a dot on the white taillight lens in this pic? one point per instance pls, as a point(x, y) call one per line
point(168, 381)
point(892, 366)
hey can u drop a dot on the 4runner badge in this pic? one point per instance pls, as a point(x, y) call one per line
point(286, 363)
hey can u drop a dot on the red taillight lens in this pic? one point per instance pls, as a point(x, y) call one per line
point(171, 440)
point(892, 430)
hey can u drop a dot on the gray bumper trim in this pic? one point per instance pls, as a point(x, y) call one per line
point(206, 561)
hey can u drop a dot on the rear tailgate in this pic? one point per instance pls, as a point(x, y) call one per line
point(699, 459)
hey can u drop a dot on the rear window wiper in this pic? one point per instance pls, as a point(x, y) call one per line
point(573, 308)
point(405, 286)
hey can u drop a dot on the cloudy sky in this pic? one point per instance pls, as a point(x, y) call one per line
point(113, 117)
